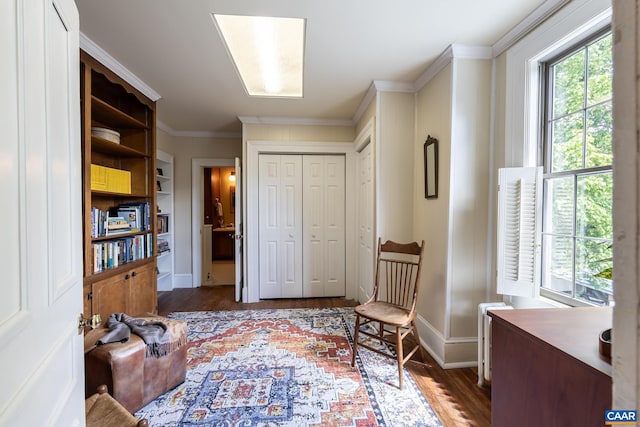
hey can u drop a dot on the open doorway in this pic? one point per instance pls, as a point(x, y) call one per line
point(201, 250)
point(219, 201)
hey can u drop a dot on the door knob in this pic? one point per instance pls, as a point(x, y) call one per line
point(93, 322)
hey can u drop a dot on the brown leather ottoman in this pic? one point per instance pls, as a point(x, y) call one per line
point(133, 378)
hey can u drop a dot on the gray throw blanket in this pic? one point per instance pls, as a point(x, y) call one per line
point(155, 334)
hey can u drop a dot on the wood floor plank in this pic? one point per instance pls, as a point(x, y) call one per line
point(452, 393)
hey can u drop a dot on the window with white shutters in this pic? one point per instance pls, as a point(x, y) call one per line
point(555, 235)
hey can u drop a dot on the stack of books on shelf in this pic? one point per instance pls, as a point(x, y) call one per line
point(126, 218)
point(117, 225)
point(163, 246)
point(113, 253)
point(138, 213)
point(163, 224)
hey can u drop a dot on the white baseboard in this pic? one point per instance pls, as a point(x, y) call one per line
point(164, 286)
point(182, 281)
point(451, 353)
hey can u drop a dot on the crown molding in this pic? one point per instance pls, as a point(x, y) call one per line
point(264, 120)
point(162, 126)
point(457, 51)
point(452, 51)
point(364, 103)
point(535, 18)
point(391, 86)
point(434, 68)
point(380, 86)
point(110, 62)
point(197, 134)
point(463, 51)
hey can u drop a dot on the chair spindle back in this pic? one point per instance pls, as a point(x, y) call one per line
point(398, 273)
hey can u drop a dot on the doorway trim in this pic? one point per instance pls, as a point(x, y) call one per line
point(251, 232)
point(365, 138)
point(197, 212)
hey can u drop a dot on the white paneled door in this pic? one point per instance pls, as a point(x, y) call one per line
point(280, 204)
point(302, 225)
point(323, 224)
point(41, 348)
point(239, 236)
point(366, 209)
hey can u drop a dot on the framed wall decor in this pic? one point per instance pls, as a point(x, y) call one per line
point(431, 168)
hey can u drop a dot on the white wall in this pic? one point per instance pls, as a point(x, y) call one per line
point(430, 218)
point(184, 149)
point(454, 107)
point(469, 187)
point(297, 133)
point(394, 180)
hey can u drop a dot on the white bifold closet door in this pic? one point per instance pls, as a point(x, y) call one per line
point(302, 232)
point(323, 226)
point(280, 204)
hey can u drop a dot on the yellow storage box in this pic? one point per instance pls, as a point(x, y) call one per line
point(110, 179)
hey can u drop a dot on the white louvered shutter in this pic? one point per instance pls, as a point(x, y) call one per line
point(519, 213)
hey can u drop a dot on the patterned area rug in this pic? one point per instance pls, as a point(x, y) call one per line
point(285, 368)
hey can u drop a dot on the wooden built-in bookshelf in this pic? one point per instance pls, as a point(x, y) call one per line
point(128, 283)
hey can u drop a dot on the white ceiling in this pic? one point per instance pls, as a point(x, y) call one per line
point(174, 47)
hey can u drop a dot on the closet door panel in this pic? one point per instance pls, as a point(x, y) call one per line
point(269, 201)
point(280, 201)
point(313, 214)
point(271, 258)
point(291, 231)
point(324, 234)
point(291, 284)
point(334, 255)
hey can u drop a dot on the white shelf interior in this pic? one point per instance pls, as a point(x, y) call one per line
point(165, 260)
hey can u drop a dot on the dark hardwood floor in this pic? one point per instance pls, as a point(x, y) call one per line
point(452, 393)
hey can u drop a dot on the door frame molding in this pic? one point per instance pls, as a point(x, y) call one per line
point(197, 213)
point(365, 138)
point(251, 212)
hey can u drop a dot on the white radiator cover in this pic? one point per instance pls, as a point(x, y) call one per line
point(484, 338)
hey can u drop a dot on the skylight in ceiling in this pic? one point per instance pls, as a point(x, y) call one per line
point(268, 52)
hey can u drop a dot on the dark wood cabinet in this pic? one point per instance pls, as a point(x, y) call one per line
point(223, 243)
point(142, 290)
point(109, 296)
point(131, 291)
point(547, 369)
